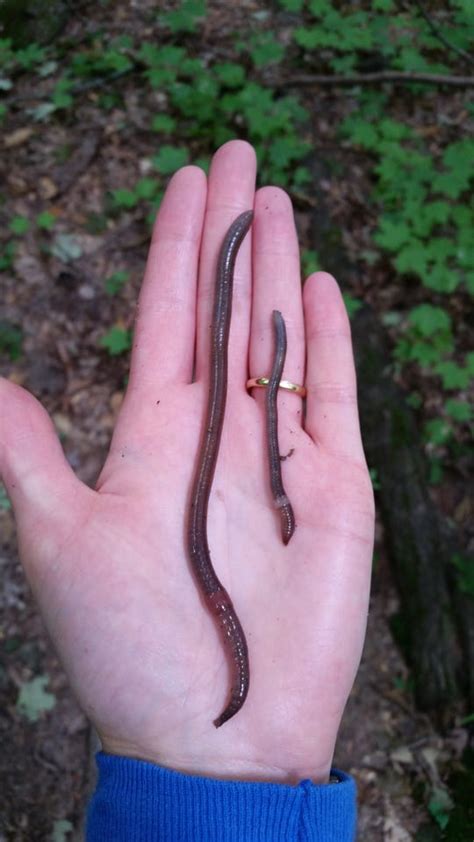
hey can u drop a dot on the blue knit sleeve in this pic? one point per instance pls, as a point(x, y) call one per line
point(136, 801)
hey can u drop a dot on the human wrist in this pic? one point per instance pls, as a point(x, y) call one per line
point(222, 767)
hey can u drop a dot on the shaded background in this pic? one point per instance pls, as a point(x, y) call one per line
point(363, 112)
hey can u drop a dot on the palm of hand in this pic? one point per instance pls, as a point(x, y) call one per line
point(144, 655)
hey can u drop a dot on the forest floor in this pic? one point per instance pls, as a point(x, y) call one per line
point(46, 770)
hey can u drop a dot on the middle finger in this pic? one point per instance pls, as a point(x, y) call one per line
point(230, 192)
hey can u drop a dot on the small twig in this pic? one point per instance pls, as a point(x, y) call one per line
point(101, 81)
point(439, 35)
point(381, 77)
point(302, 200)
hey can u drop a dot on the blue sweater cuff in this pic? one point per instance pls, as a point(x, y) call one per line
point(135, 800)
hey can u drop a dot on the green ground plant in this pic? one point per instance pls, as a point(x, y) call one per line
point(424, 216)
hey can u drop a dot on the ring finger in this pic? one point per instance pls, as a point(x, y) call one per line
point(277, 286)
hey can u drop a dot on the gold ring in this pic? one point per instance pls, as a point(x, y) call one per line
point(261, 382)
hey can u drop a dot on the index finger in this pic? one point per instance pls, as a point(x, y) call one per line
point(163, 345)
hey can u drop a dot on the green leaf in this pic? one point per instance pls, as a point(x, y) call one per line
point(266, 50)
point(61, 96)
point(283, 151)
point(436, 471)
point(394, 130)
point(345, 63)
point(11, 339)
point(42, 111)
point(392, 234)
point(203, 162)
point(466, 573)
point(19, 225)
point(66, 247)
point(61, 829)
point(412, 60)
point(186, 17)
point(452, 375)
point(370, 256)
point(414, 400)
point(30, 55)
point(170, 159)
point(310, 262)
point(230, 74)
point(352, 304)
point(410, 348)
point(33, 699)
point(301, 176)
point(48, 68)
point(411, 258)
point(375, 479)
point(362, 133)
point(124, 198)
point(460, 155)
point(441, 278)
point(117, 340)
point(428, 319)
point(163, 123)
point(195, 70)
point(116, 61)
point(440, 248)
point(172, 56)
point(320, 8)
point(115, 282)
point(437, 431)
point(45, 220)
point(437, 212)
point(392, 318)
point(459, 410)
point(312, 37)
point(146, 188)
point(149, 54)
point(6, 258)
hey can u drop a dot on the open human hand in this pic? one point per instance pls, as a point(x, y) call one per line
point(109, 566)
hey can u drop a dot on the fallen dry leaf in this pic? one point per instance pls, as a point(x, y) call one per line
point(17, 137)
point(47, 188)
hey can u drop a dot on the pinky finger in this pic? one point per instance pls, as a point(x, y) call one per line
point(332, 418)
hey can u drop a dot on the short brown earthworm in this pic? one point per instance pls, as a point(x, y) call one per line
point(215, 595)
point(282, 502)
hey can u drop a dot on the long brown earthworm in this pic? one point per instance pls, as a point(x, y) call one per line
point(282, 502)
point(215, 595)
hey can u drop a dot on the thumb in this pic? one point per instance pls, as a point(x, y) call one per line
point(33, 467)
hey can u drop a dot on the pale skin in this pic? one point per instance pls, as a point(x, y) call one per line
point(108, 565)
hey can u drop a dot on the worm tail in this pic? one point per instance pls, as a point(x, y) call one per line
point(221, 606)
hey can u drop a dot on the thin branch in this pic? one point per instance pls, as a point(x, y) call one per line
point(101, 81)
point(384, 76)
point(439, 35)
